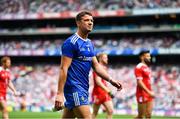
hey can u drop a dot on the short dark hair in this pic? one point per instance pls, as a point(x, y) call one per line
point(142, 52)
point(81, 14)
point(4, 59)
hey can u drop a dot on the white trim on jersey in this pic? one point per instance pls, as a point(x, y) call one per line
point(139, 78)
point(1, 68)
point(74, 39)
point(140, 65)
point(81, 37)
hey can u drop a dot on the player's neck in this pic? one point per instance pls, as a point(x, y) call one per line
point(4, 67)
point(82, 34)
point(144, 63)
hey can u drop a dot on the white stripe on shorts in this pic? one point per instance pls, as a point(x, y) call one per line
point(76, 99)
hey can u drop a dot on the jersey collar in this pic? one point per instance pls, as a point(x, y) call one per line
point(81, 37)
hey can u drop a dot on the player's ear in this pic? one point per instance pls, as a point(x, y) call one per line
point(78, 23)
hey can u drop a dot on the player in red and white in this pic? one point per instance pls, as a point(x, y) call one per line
point(101, 93)
point(144, 93)
point(5, 81)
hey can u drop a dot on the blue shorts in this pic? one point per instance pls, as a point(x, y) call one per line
point(76, 99)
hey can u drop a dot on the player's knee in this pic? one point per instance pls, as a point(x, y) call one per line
point(140, 116)
point(5, 110)
point(94, 114)
point(110, 112)
point(87, 117)
point(148, 115)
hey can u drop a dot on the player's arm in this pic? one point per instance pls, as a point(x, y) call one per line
point(65, 63)
point(100, 84)
point(102, 73)
point(11, 86)
point(143, 86)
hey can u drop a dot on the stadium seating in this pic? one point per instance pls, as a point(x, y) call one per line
point(38, 6)
point(165, 82)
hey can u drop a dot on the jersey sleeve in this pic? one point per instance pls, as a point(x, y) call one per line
point(94, 52)
point(138, 73)
point(68, 49)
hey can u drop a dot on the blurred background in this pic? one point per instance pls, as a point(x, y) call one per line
point(32, 32)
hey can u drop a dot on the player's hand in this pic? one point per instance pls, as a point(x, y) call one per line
point(116, 84)
point(16, 93)
point(59, 102)
point(151, 93)
point(110, 94)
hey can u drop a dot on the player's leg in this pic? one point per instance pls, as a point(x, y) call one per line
point(109, 108)
point(141, 110)
point(68, 114)
point(95, 110)
point(82, 111)
point(149, 108)
point(79, 103)
point(4, 110)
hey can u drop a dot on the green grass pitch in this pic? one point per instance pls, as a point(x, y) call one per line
point(56, 115)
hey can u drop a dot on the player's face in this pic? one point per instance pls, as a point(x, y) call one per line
point(86, 23)
point(105, 59)
point(147, 58)
point(7, 64)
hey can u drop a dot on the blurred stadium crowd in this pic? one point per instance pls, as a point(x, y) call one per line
point(52, 47)
point(33, 81)
point(49, 6)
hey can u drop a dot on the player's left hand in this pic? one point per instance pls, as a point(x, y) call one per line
point(17, 93)
point(111, 95)
point(117, 84)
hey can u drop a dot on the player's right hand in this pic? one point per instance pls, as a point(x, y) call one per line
point(59, 102)
point(151, 93)
point(16, 93)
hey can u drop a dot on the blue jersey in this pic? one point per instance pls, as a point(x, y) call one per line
point(81, 51)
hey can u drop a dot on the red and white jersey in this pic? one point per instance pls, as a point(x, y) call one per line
point(99, 96)
point(97, 89)
point(143, 72)
point(4, 80)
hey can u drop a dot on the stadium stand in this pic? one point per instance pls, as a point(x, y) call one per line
point(166, 76)
point(125, 45)
point(39, 6)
